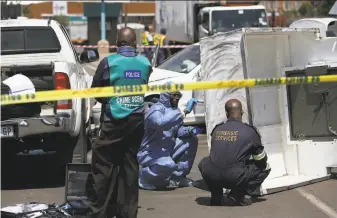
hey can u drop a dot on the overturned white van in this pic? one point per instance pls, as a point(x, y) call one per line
point(298, 123)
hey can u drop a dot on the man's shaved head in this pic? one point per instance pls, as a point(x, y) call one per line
point(233, 109)
point(126, 37)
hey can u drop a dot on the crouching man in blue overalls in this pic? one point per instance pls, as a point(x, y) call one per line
point(168, 148)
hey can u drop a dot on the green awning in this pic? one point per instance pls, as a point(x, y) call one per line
point(94, 9)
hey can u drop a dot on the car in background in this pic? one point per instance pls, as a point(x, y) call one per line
point(327, 26)
point(183, 67)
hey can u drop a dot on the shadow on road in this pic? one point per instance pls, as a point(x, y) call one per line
point(205, 201)
point(31, 172)
point(200, 184)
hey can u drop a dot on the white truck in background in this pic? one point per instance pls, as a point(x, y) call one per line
point(41, 53)
point(186, 22)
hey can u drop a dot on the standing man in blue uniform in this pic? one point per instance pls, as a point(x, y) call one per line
point(168, 148)
point(229, 165)
point(115, 168)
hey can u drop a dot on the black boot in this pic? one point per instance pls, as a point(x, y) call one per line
point(216, 200)
point(241, 200)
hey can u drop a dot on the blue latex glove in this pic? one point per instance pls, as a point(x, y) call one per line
point(195, 130)
point(190, 104)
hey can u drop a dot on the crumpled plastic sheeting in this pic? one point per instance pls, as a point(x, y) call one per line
point(24, 208)
point(221, 59)
point(34, 210)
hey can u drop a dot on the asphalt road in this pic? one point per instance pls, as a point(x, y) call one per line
point(36, 178)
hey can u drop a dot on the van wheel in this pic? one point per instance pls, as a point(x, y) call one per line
point(79, 154)
point(74, 149)
point(81, 144)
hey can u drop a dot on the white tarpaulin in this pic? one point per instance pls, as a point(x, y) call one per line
point(265, 53)
point(221, 60)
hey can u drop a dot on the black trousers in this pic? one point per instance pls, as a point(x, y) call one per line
point(148, 53)
point(115, 168)
point(242, 179)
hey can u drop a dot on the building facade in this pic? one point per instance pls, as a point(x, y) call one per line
point(276, 11)
point(133, 12)
point(84, 17)
point(281, 5)
point(45, 9)
point(139, 12)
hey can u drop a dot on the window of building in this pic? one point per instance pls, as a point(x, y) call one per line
point(140, 19)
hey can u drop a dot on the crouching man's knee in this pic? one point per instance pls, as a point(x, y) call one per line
point(191, 141)
point(164, 167)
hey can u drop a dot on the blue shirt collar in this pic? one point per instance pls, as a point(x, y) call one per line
point(127, 51)
point(234, 119)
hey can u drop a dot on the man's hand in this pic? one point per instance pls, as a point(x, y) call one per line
point(190, 105)
point(195, 130)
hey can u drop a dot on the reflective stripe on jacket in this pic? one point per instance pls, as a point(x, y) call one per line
point(159, 38)
point(145, 40)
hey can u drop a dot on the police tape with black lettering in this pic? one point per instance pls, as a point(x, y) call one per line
point(133, 90)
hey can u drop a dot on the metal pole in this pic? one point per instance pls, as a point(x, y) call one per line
point(102, 20)
point(125, 8)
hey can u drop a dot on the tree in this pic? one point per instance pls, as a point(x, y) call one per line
point(26, 11)
point(306, 9)
point(63, 20)
point(324, 7)
point(291, 13)
point(290, 16)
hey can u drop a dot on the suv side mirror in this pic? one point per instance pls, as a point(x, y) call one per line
point(88, 56)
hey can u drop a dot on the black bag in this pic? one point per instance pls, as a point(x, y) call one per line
point(79, 187)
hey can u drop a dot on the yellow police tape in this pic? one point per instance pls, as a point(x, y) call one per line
point(142, 89)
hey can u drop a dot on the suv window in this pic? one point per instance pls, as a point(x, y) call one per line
point(23, 40)
point(332, 29)
point(70, 43)
point(184, 61)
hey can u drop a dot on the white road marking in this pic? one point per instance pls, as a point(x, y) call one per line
point(318, 203)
